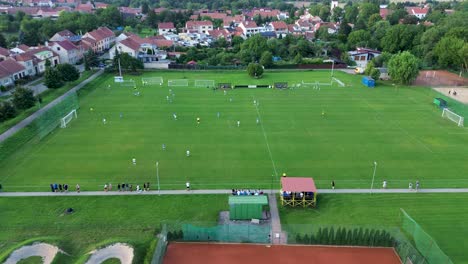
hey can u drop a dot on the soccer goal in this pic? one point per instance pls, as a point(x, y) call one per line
point(178, 82)
point(340, 83)
point(446, 113)
point(127, 83)
point(205, 83)
point(66, 119)
point(152, 81)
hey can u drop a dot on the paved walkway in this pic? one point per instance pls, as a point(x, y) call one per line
point(183, 192)
point(278, 237)
point(39, 112)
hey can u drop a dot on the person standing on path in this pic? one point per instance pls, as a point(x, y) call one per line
point(333, 184)
point(77, 188)
point(410, 186)
point(187, 185)
point(384, 184)
point(417, 185)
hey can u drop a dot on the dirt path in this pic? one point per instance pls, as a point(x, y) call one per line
point(461, 93)
point(46, 251)
point(123, 252)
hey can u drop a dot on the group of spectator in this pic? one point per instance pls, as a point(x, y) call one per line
point(298, 195)
point(246, 192)
point(124, 187)
point(54, 187)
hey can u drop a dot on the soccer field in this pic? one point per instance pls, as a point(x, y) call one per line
point(335, 133)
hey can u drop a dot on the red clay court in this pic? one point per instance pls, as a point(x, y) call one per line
point(210, 253)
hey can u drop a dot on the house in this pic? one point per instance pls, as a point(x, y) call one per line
point(62, 35)
point(249, 28)
point(384, 12)
point(198, 26)
point(220, 33)
point(67, 51)
point(10, 71)
point(145, 49)
point(331, 27)
point(362, 56)
point(85, 8)
point(103, 37)
point(280, 28)
point(26, 59)
point(167, 27)
point(417, 11)
point(129, 12)
point(4, 54)
point(19, 49)
point(101, 5)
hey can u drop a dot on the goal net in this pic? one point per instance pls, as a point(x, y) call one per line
point(66, 119)
point(178, 82)
point(205, 83)
point(152, 81)
point(446, 113)
point(127, 83)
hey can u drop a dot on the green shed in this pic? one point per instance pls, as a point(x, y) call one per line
point(246, 207)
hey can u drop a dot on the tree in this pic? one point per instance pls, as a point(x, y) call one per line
point(23, 98)
point(403, 67)
point(145, 8)
point(3, 42)
point(266, 59)
point(90, 60)
point(372, 71)
point(7, 111)
point(255, 70)
point(255, 45)
point(447, 52)
point(52, 78)
point(360, 38)
point(127, 62)
point(68, 72)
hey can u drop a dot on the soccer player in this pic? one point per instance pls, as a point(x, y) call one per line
point(134, 161)
point(187, 185)
point(323, 113)
point(217, 114)
point(121, 115)
point(188, 153)
point(238, 123)
point(91, 109)
point(198, 120)
point(225, 92)
point(230, 100)
point(255, 102)
point(258, 121)
point(163, 146)
point(104, 121)
point(175, 116)
point(167, 97)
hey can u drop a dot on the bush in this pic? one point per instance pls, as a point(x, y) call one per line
point(23, 98)
point(68, 72)
point(7, 111)
point(52, 78)
point(255, 70)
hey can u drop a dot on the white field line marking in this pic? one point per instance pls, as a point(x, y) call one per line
point(266, 140)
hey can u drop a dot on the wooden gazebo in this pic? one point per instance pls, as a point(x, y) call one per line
point(298, 191)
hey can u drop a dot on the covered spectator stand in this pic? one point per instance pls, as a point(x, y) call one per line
point(246, 207)
point(298, 191)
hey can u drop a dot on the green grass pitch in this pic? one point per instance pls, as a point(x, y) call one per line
point(399, 128)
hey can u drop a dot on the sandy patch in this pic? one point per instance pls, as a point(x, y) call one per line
point(123, 252)
point(462, 93)
point(46, 251)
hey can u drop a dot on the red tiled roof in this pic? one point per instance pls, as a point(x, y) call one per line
point(193, 24)
point(384, 12)
point(130, 10)
point(65, 33)
point(416, 10)
point(4, 52)
point(101, 33)
point(249, 24)
point(85, 8)
point(132, 44)
point(298, 184)
point(67, 45)
point(279, 25)
point(101, 5)
point(23, 47)
point(162, 42)
point(9, 67)
point(166, 25)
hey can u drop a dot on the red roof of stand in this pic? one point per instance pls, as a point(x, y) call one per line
point(298, 184)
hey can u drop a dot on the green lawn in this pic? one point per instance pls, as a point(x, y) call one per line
point(399, 128)
point(99, 221)
point(443, 216)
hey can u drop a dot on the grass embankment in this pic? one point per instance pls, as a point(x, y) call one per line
point(443, 216)
point(99, 221)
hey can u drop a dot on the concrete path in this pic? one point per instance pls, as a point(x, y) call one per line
point(278, 237)
point(183, 192)
point(46, 251)
point(39, 112)
point(120, 251)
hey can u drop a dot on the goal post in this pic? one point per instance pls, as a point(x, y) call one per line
point(205, 83)
point(177, 82)
point(447, 113)
point(128, 83)
point(66, 119)
point(152, 80)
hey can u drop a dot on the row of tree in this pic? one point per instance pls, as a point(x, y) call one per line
point(23, 99)
point(345, 236)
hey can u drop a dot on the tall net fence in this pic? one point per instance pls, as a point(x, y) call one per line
point(425, 244)
point(40, 127)
point(240, 233)
point(161, 247)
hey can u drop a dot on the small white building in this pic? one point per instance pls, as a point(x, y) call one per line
point(362, 56)
point(166, 28)
point(67, 51)
point(199, 26)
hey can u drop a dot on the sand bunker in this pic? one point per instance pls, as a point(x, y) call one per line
point(46, 251)
point(123, 252)
point(461, 93)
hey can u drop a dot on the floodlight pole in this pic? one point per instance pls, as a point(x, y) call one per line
point(120, 69)
point(157, 176)
point(373, 176)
